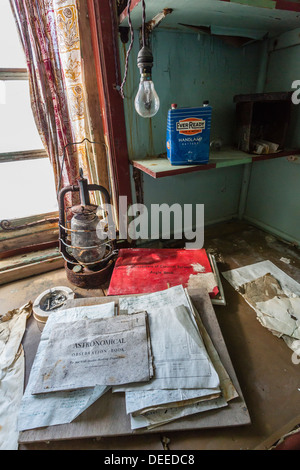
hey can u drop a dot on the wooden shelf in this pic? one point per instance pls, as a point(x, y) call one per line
point(160, 167)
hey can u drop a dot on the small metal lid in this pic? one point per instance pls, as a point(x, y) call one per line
point(51, 301)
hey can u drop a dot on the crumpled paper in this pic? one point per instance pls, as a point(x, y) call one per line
point(274, 296)
point(12, 370)
point(275, 310)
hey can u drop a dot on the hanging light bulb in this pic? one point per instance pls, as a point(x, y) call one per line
point(147, 102)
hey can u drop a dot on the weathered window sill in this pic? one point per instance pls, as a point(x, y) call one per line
point(28, 232)
point(30, 264)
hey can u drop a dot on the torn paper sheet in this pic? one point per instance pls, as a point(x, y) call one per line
point(273, 295)
point(239, 276)
point(281, 316)
point(39, 411)
point(158, 418)
point(12, 329)
point(150, 400)
point(262, 289)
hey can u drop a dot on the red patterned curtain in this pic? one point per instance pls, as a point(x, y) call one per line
point(49, 32)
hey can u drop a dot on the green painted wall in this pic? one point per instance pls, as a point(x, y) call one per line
point(274, 192)
point(188, 69)
point(219, 191)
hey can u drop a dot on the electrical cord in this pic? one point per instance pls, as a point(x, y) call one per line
point(129, 49)
point(144, 23)
point(132, 40)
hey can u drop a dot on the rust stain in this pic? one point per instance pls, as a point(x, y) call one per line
point(48, 375)
point(157, 19)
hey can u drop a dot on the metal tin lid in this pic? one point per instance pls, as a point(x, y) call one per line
point(51, 301)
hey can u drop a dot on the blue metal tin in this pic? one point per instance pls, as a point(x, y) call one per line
point(188, 135)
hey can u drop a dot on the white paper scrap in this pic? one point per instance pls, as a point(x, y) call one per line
point(281, 315)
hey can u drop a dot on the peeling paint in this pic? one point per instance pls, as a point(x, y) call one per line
point(207, 280)
point(198, 268)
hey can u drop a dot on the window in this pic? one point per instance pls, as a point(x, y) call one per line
point(27, 188)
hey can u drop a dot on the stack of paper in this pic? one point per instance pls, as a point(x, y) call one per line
point(156, 350)
point(188, 375)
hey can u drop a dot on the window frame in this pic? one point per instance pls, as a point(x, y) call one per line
point(35, 230)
